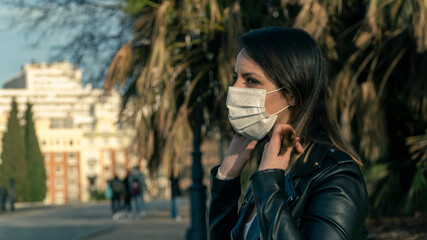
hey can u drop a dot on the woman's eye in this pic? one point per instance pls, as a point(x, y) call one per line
point(252, 81)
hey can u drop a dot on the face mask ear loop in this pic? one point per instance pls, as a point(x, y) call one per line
point(282, 109)
point(275, 90)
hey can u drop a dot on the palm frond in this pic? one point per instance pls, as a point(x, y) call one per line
point(373, 132)
point(120, 66)
point(157, 63)
point(343, 97)
point(312, 17)
point(418, 150)
point(420, 25)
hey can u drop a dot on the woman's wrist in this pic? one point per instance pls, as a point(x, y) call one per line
point(221, 176)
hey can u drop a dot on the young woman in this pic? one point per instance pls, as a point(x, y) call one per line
point(309, 184)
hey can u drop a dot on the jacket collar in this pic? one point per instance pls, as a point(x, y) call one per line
point(314, 160)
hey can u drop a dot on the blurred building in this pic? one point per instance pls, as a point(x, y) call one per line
point(77, 128)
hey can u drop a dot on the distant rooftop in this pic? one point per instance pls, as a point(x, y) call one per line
point(17, 81)
point(36, 76)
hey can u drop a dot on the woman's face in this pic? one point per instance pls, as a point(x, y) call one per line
point(248, 74)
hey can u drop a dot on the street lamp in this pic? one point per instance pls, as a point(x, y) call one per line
point(197, 230)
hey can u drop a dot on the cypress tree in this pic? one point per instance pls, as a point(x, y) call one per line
point(36, 172)
point(13, 156)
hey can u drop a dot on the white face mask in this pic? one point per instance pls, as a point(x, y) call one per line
point(247, 114)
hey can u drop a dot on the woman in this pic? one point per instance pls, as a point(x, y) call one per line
point(309, 184)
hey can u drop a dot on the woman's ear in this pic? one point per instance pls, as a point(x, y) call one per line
point(291, 100)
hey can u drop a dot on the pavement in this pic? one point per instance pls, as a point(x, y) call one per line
point(157, 225)
point(93, 221)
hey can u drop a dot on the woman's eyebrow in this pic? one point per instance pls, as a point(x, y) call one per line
point(249, 74)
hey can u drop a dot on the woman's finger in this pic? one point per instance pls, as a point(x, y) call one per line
point(288, 139)
point(298, 146)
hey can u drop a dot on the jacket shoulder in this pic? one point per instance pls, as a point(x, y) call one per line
point(339, 156)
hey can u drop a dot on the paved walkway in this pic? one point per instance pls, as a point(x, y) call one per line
point(93, 221)
point(156, 226)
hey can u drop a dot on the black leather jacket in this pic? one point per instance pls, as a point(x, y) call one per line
point(324, 198)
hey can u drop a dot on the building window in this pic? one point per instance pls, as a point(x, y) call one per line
point(120, 167)
point(61, 123)
point(72, 172)
point(72, 185)
point(107, 172)
point(71, 158)
point(73, 197)
point(58, 157)
point(68, 122)
point(59, 170)
point(54, 123)
point(71, 155)
point(107, 155)
point(120, 155)
point(59, 183)
point(92, 110)
point(59, 197)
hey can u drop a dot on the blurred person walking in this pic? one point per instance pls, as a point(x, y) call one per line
point(137, 185)
point(118, 190)
point(175, 193)
point(127, 195)
point(3, 199)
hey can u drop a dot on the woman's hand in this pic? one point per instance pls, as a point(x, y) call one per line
point(237, 156)
point(277, 152)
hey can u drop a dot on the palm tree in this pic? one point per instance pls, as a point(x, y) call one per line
point(370, 46)
point(391, 47)
point(178, 65)
point(378, 89)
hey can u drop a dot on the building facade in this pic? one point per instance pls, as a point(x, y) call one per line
point(77, 128)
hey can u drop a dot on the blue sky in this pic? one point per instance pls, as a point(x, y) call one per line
point(15, 48)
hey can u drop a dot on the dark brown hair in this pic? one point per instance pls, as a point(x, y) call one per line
point(293, 59)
